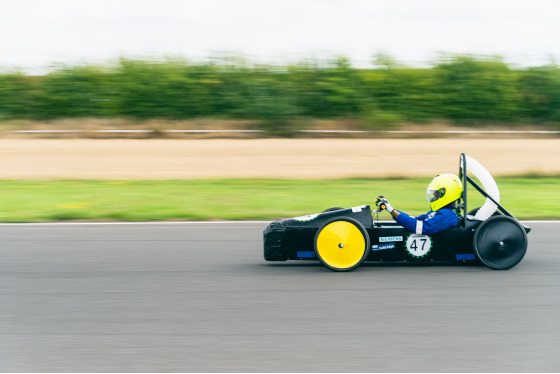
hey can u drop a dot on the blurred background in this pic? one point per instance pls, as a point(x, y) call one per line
point(269, 70)
point(280, 99)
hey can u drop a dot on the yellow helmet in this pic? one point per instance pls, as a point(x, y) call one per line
point(443, 190)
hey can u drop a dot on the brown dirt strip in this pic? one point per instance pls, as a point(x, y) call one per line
point(119, 159)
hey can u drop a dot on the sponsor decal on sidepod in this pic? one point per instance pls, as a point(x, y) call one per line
point(382, 247)
point(386, 239)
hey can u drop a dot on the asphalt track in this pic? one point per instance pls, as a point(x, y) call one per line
point(200, 298)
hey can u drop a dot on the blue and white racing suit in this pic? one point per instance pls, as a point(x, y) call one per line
point(429, 223)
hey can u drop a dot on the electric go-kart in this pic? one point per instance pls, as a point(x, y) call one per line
point(342, 239)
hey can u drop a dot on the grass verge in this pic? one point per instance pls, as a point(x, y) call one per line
point(243, 199)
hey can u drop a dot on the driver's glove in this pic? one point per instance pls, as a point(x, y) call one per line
point(382, 203)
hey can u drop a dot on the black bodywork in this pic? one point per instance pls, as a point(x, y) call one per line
point(290, 239)
point(501, 235)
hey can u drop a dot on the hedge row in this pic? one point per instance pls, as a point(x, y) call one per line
point(462, 89)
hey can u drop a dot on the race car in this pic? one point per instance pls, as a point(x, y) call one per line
point(344, 238)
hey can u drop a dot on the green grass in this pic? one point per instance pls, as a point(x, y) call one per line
point(243, 199)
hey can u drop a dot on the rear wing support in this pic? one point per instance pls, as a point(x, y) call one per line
point(466, 180)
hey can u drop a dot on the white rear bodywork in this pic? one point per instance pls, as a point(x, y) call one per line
point(489, 186)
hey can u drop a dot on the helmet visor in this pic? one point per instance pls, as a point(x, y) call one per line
point(432, 195)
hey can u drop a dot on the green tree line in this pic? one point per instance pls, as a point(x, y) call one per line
point(459, 89)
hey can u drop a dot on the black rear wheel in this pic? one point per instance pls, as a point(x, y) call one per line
point(500, 242)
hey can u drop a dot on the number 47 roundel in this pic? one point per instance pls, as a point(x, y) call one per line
point(418, 245)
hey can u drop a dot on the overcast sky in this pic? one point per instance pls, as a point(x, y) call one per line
point(36, 33)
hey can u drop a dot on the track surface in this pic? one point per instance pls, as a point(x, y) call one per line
point(199, 297)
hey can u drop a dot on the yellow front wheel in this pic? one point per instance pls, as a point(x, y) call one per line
point(342, 244)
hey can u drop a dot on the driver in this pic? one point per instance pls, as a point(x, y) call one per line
point(442, 195)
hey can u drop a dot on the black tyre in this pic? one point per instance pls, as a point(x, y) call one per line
point(342, 244)
point(331, 210)
point(500, 242)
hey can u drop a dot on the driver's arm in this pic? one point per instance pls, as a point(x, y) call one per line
point(428, 225)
